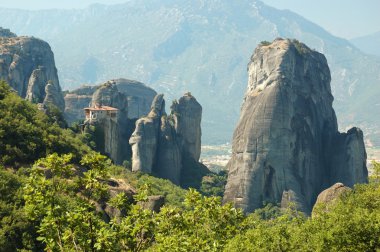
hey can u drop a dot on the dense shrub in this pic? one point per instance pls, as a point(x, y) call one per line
point(27, 134)
point(60, 213)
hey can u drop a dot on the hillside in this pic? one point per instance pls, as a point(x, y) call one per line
point(197, 46)
point(368, 44)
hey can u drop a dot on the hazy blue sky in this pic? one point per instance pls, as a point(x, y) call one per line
point(344, 18)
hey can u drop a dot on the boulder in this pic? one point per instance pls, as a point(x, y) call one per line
point(154, 203)
point(329, 196)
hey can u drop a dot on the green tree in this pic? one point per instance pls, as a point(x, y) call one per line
point(68, 220)
point(375, 177)
point(27, 134)
point(204, 225)
point(135, 232)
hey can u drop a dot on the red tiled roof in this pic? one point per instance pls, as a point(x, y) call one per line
point(102, 108)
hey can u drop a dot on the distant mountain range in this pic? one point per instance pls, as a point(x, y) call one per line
point(198, 46)
point(369, 44)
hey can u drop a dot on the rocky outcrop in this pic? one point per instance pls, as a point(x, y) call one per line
point(144, 139)
point(108, 94)
point(349, 161)
point(286, 146)
point(162, 144)
point(153, 203)
point(27, 64)
point(138, 98)
point(76, 101)
point(187, 113)
point(168, 153)
point(6, 33)
point(113, 133)
point(329, 196)
point(53, 95)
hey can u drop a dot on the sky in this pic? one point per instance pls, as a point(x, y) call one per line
point(342, 18)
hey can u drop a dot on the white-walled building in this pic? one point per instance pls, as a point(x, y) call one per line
point(100, 112)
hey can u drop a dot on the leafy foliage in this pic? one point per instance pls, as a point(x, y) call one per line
point(352, 224)
point(49, 207)
point(16, 230)
point(376, 172)
point(27, 134)
point(213, 184)
point(55, 209)
point(204, 225)
point(192, 173)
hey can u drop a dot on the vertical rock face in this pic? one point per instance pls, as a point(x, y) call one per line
point(187, 116)
point(161, 143)
point(53, 95)
point(111, 139)
point(349, 161)
point(286, 146)
point(36, 85)
point(144, 139)
point(27, 64)
point(168, 153)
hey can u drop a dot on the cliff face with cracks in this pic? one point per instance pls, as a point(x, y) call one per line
point(162, 143)
point(27, 64)
point(131, 98)
point(286, 146)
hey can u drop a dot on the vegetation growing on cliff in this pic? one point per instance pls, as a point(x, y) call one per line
point(59, 214)
point(27, 134)
point(58, 203)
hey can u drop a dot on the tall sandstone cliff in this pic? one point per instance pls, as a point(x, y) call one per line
point(27, 64)
point(129, 97)
point(138, 98)
point(163, 144)
point(286, 146)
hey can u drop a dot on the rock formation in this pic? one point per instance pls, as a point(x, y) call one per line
point(6, 33)
point(144, 139)
point(138, 97)
point(162, 143)
point(76, 101)
point(329, 196)
point(187, 115)
point(169, 156)
point(131, 98)
point(27, 64)
point(154, 203)
point(286, 146)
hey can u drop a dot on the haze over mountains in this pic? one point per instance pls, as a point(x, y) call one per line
point(197, 46)
point(369, 43)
